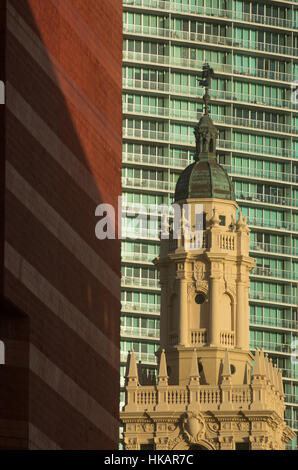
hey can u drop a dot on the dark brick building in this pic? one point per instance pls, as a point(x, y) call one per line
point(60, 286)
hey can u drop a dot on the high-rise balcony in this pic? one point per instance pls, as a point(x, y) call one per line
point(188, 115)
point(189, 139)
point(261, 174)
point(266, 198)
point(273, 297)
point(166, 60)
point(144, 283)
point(137, 257)
point(147, 209)
point(271, 346)
point(133, 84)
point(155, 160)
point(271, 223)
point(136, 332)
point(145, 134)
point(222, 41)
point(220, 13)
point(281, 323)
point(274, 273)
point(289, 373)
point(145, 358)
point(129, 182)
point(132, 307)
point(249, 148)
point(181, 163)
point(273, 248)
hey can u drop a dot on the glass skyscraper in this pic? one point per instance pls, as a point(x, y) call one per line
point(253, 48)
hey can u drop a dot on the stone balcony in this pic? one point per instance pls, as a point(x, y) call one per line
point(265, 389)
point(204, 398)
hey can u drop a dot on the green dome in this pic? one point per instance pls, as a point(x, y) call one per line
point(204, 179)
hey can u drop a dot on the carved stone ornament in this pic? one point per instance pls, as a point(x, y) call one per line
point(203, 286)
point(213, 427)
point(178, 443)
point(131, 444)
point(198, 272)
point(161, 443)
point(191, 290)
point(193, 426)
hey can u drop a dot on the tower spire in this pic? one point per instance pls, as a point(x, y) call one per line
point(207, 74)
point(162, 373)
point(205, 131)
point(257, 366)
point(132, 375)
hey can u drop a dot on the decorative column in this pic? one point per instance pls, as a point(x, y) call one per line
point(161, 443)
point(214, 325)
point(163, 314)
point(242, 332)
point(226, 385)
point(194, 384)
point(259, 442)
point(183, 313)
point(226, 442)
point(242, 283)
point(131, 443)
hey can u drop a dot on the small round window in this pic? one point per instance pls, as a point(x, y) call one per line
point(200, 298)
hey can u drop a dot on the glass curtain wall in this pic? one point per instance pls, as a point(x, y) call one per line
point(252, 46)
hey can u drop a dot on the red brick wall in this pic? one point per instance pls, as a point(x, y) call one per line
point(62, 158)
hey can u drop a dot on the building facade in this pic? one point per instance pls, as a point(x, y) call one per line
point(252, 47)
point(61, 143)
point(208, 396)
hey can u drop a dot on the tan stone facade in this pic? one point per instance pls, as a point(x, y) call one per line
point(225, 405)
point(212, 393)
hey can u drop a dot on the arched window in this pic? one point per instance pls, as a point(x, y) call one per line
point(211, 145)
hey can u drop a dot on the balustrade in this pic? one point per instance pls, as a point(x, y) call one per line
point(198, 337)
point(227, 338)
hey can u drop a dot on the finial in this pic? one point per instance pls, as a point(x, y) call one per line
point(207, 74)
point(262, 362)
point(194, 376)
point(214, 221)
point(205, 131)
point(257, 368)
point(226, 372)
point(162, 373)
point(132, 368)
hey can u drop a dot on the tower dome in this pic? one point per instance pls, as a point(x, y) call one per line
point(205, 178)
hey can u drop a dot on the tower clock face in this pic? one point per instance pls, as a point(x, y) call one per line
point(200, 298)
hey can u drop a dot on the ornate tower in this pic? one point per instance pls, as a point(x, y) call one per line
point(211, 392)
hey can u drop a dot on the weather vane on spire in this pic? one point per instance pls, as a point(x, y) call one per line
point(207, 74)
